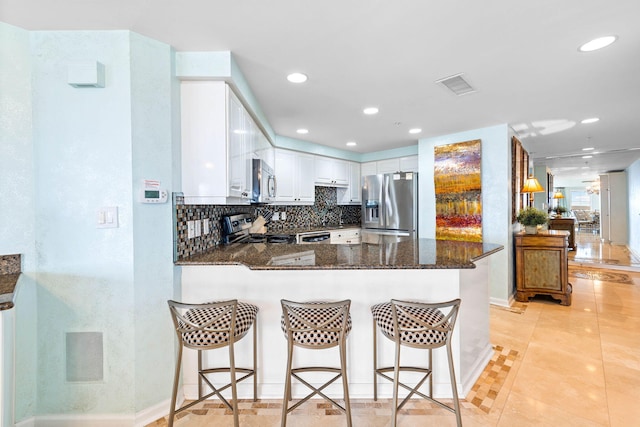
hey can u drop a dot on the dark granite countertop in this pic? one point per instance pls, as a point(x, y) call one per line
point(10, 267)
point(413, 254)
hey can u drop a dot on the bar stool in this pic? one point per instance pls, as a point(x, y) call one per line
point(417, 325)
point(316, 325)
point(208, 326)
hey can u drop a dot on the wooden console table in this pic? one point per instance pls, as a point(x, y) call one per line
point(568, 224)
point(542, 265)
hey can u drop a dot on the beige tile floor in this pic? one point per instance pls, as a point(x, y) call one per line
point(553, 366)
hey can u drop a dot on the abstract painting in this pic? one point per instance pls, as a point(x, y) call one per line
point(458, 187)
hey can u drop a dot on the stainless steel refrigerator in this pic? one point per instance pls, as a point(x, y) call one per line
point(389, 207)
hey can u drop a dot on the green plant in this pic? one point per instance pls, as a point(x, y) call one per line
point(560, 210)
point(532, 216)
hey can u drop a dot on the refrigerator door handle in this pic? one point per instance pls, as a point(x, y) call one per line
point(385, 202)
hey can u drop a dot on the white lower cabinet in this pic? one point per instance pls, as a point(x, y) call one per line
point(345, 236)
point(295, 177)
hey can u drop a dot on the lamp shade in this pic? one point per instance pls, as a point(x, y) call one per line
point(558, 195)
point(531, 185)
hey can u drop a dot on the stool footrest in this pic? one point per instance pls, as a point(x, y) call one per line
point(318, 391)
point(412, 390)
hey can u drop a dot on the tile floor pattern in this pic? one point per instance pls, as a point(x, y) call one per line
point(553, 366)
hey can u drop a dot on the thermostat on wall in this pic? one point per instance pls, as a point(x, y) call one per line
point(152, 193)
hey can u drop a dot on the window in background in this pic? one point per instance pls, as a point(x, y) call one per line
point(580, 199)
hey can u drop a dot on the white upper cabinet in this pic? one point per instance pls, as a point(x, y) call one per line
point(399, 164)
point(295, 177)
point(369, 168)
point(219, 139)
point(240, 150)
point(352, 195)
point(331, 172)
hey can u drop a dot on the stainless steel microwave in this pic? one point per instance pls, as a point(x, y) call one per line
point(263, 182)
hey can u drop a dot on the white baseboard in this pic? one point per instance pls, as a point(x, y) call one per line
point(29, 422)
point(140, 419)
point(501, 301)
point(74, 420)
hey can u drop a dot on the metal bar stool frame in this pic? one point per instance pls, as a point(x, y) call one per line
point(217, 313)
point(445, 325)
point(337, 323)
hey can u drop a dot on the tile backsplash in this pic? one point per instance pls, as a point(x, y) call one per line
point(325, 208)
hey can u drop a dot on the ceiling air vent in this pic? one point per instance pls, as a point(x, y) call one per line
point(456, 84)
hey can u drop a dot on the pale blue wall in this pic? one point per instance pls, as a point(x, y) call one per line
point(154, 123)
point(496, 198)
point(17, 209)
point(633, 182)
point(90, 149)
point(82, 140)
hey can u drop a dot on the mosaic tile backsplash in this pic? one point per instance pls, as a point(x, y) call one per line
point(324, 209)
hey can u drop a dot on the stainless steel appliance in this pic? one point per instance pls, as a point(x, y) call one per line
point(263, 182)
point(314, 237)
point(235, 229)
point(389, 207)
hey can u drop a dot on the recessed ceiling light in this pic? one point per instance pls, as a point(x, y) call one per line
point(370, 111)
point(598, 43)
point(351, 144)
point(587, 149)
point(587, 157)
point(591, 120)
point(415, 130)
point(297, 78)
point(303, 131)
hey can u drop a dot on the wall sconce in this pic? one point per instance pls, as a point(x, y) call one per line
point(531, 184)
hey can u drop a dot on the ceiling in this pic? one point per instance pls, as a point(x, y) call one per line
point(521, 57)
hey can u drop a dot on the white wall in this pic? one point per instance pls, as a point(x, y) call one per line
point(496, 198)
point(633, 182)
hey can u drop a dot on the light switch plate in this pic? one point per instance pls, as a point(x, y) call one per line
point(191, 229)
point(198, 228)
point(107, 217)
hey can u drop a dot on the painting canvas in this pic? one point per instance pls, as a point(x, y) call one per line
point(458, 187)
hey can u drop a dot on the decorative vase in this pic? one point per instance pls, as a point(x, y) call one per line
point(531, 229)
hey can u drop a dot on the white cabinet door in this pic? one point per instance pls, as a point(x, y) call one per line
point(204, 142)
point(285, 175)
point(305, 172)
point(388, 166)
point(331, 172)
point(355, 183)
point(352, 195)
point(409, 164)
point(324, 170)
point(239, 137)
point(219, 139)
point(341, 172)
point(294, 175)
point(345, 236)
point(369, 168)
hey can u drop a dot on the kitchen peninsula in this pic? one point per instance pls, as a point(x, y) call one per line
point(419, 269)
